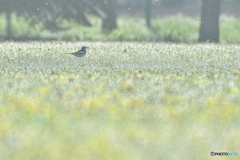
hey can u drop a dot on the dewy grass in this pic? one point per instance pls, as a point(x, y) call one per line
point(120, 101)
point(177, 28)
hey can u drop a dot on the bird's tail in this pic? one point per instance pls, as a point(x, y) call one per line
point(66, 53)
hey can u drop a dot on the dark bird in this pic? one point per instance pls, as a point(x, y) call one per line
point(79, 53)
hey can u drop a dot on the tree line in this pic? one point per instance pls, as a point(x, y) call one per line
point(51, 13)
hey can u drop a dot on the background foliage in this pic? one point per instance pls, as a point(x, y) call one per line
point(174, 28)
point(50, 13)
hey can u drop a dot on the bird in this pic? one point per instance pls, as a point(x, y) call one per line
point(80, 53)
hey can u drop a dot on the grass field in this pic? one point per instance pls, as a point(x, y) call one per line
point(177, 28)
point(131, 101)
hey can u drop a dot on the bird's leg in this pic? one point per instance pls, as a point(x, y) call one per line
point(80, 61)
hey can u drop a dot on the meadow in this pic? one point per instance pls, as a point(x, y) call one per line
point(121, 101)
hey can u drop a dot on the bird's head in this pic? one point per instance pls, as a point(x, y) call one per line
point(84, 48)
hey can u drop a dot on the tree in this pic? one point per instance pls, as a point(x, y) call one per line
point(51, 13)
point(209, 29)
point(109, 21)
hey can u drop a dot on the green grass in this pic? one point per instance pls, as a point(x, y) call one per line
point(177, 28)
point(154, 101)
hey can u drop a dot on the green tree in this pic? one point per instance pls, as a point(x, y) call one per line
point(51, 13)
